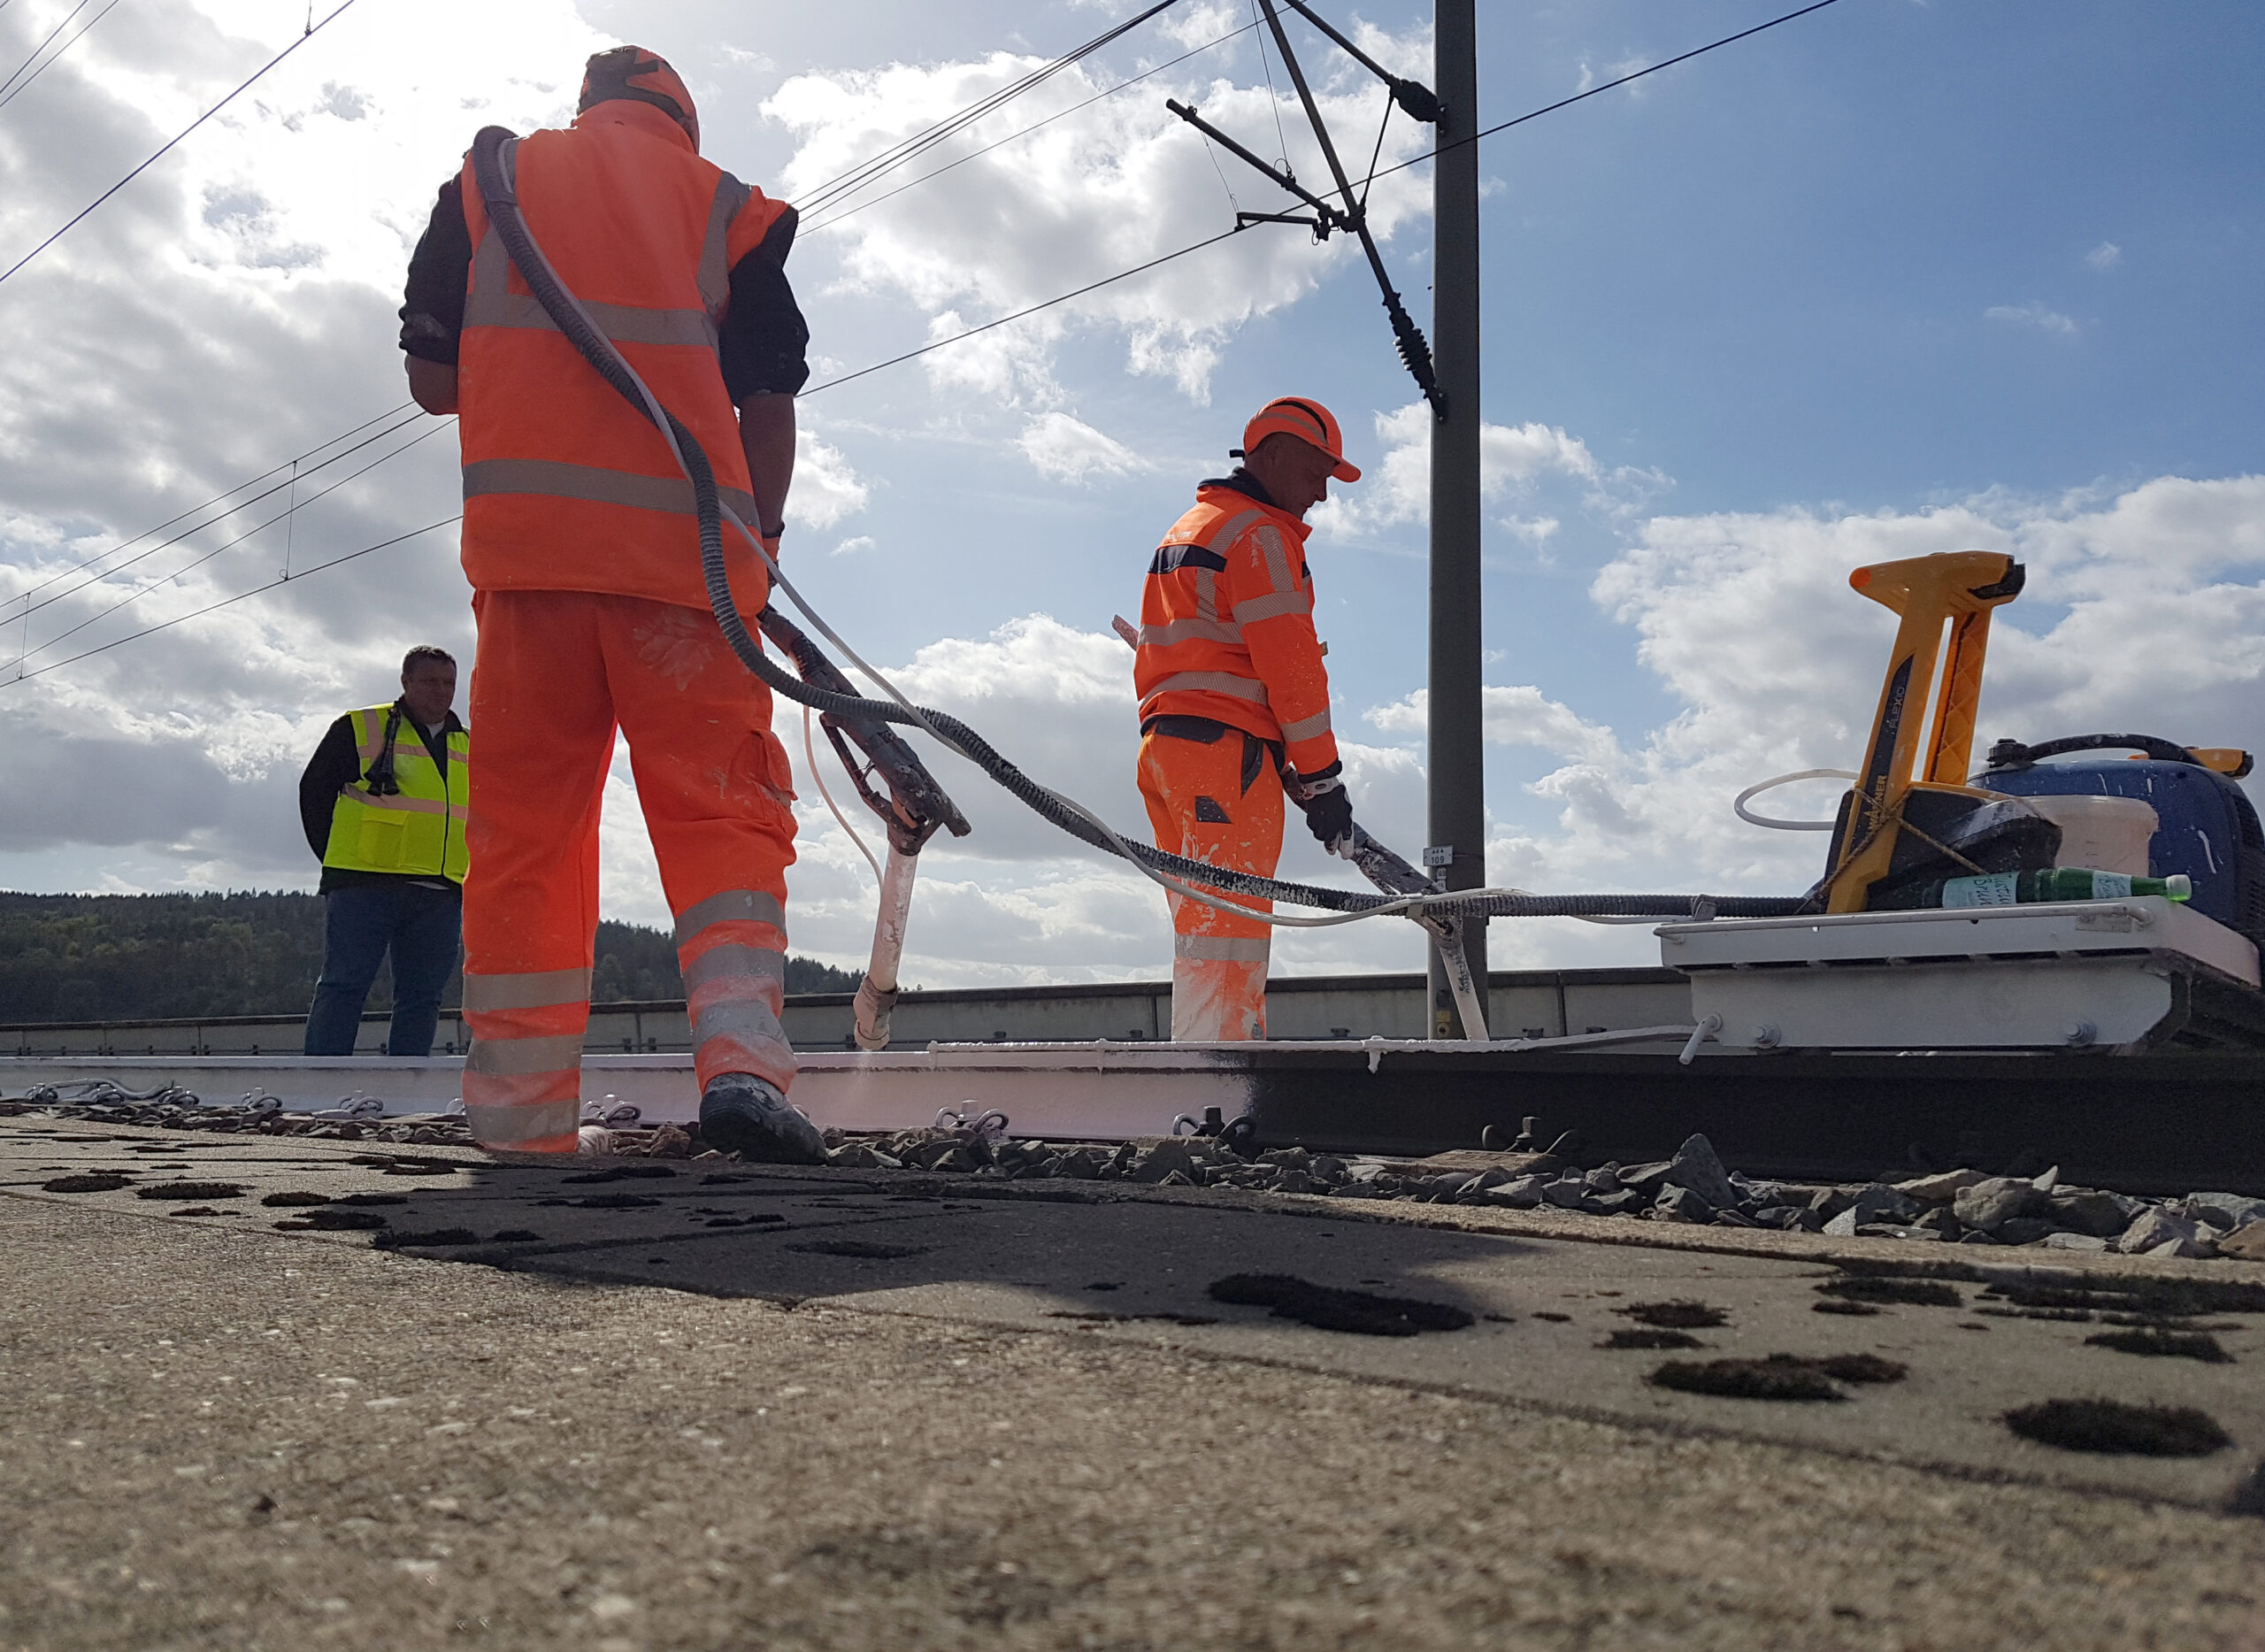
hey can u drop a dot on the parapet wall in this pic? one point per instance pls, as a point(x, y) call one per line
point(1536, 1004)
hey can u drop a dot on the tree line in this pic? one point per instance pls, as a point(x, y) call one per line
point(133, 957)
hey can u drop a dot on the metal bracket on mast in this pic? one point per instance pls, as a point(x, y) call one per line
point(1243, 220)
point(1283, 179)
point(1414, 351)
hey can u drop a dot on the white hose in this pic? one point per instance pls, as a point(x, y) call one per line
point(817, 775)
point(1738, 804)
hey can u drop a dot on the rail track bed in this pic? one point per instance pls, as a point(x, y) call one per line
point(2160, 1125)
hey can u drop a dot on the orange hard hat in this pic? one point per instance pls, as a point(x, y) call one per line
point(640, 76)
point(1309, 422)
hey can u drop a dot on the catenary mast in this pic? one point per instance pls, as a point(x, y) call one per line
point(1457, 806)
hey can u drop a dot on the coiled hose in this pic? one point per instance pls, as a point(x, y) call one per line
point(490, 168)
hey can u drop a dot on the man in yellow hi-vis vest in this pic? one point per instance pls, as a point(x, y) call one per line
point(383, 801)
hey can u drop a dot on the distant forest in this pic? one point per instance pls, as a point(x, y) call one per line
point(117, 957)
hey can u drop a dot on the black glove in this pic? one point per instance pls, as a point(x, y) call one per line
point(1329, 809)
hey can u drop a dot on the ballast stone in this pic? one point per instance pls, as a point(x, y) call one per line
point(1522, 1193)
point(1989, 1205)
point(2226, 1210)
point(2096, 1214)
point(1942, 1187)
point(2156, 1229)
point(1698, 1169)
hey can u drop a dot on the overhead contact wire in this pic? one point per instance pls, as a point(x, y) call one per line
point(217, 498)
point(16, 91)
point(167, 148)
point(905, 150)
point(197, 562)
point(42, 46)
point(1597, 91)
point(112, 572)
point(227, 601)
point(1091, 287)
point(828, 223)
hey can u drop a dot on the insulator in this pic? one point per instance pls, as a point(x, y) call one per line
point(1417, 101)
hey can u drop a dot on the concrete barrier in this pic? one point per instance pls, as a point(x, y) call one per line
point(1531, 1004)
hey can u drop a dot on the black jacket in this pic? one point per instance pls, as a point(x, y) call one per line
point(338, 762)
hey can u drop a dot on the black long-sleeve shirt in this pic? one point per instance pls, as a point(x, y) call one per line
point(338, 762)
point(763, 338)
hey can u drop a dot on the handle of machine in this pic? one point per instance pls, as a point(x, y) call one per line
point(2227, 760)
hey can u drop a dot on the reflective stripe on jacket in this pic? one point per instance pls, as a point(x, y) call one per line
point(420, 829)
point(566, 487)
point(1226, 626)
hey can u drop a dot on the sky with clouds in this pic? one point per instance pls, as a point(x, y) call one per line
point(1895, 278)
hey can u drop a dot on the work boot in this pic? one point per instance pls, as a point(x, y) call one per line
point(740, 1113)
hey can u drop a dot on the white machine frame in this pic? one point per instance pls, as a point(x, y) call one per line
point(2078, 973)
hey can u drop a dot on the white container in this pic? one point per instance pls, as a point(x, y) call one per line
point(2105, 834)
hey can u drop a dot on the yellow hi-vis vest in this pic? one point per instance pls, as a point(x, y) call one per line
point(417, 829)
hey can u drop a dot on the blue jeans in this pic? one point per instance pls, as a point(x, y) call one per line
point(424, 929)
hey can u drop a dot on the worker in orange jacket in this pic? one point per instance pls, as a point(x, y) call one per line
point(1234, 702)
point(580, 543)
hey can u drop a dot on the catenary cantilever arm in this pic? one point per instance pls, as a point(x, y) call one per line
point(1415, 350)
point(1417, 100)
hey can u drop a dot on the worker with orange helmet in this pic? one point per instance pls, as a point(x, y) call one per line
point(580, 542)
point(1234, 702)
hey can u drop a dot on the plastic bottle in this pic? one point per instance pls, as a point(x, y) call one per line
point(2023, 888)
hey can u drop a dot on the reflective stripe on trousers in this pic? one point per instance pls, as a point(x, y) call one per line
point(1200, 806)
point(732, 950)
point(523, 1075)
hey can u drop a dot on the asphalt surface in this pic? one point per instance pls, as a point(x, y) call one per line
point(877, 1410)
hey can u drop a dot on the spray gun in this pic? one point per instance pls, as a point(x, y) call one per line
point(913, 808)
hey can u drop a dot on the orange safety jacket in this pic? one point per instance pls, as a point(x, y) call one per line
point(1226, 626)
point(566, 487)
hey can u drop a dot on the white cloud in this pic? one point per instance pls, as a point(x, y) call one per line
point(2105, 257)
point(851, 546)
point(1068, 449)
point(2032, 314)
point(1192, 26)
point(826, 487)
point(1512, 458)
point(1516, 715)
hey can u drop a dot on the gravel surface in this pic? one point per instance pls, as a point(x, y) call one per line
point(1964, 1206)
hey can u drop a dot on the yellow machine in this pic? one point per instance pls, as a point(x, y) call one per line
point(1908, 784)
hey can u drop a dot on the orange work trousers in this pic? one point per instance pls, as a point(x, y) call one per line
point(557, 672)
point(1218, 801)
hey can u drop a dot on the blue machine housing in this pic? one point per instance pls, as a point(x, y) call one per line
point(2206, 826)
